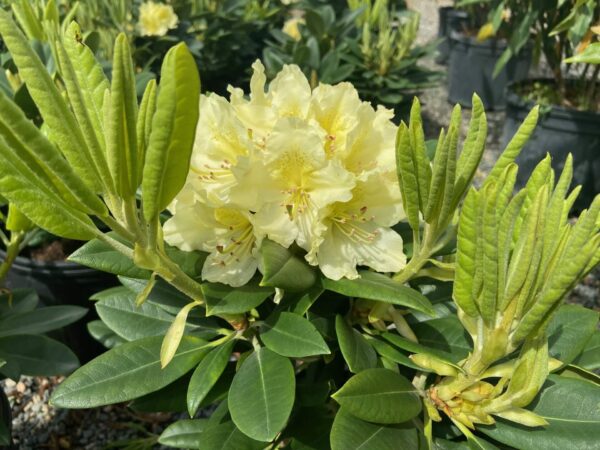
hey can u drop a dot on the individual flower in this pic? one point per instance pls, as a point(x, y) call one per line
point(292, 29)
point(156, 19)
point(225, 233)
point(358, 232)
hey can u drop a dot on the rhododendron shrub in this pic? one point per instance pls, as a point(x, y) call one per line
point(294, 259)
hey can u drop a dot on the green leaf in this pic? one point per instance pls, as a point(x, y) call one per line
point(569, 331)
point(173, 130)
point(187, 433)
point(590, 356)
point(571, 409)
point(414, 347)
point(226, 436)
point(18, 301)
point(349, 432)
point(356, 350)
point(61, 122)
point(170, 398)
point(222, 299)
point(121, 143)
point(28, 20)
point(262, 395)
point(206, 375)
point(375, 286)
point(103, 334)
point(118, 311)
point(292, 335)
point(126, 372)
point(387, 351)
point(379, 395)
point(445, 335)
point(35, 355)
point(283, 269)
point(591, 55)
point(101, 256)
point(40, 320)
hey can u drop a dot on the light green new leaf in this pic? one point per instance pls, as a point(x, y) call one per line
point(206, 375)
point(121, 142)
point(421, 162)
point(126, 372)
point(472, 151)
point(379, 395)
point(516, 144)
point(90, 77)
point(37, 159)
point(466, 254)
point(28, 20)
point(85, 82)
point(356, 350)
point(46, 211)
point(293, 336)
point(261, 395)
point(407, 176)
point(569, 406)
point(591, 55)
point(61, 122)
point(349, 432)
point(174, 334)
point(487, 303)
point(173, 130)
point(144, 124)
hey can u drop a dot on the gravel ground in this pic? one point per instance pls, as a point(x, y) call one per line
point(39, 426)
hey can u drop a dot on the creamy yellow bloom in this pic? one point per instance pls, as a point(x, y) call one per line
point(292, 29)
point(314, 168)
point(156, 19)
point(227, 234)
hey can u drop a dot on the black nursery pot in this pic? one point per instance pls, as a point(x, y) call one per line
point(559, 131)
point(471, 69)
point(450, 19)
point(64, 283)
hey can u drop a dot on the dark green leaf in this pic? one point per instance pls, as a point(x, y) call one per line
point(349, 432)
point(262, 395)
point(357, 352)
point(222, 299)
point(126, 372)
point(283, 269)
point(379, 395)
point(40, 320)
point(375, 286)
point(292, 335)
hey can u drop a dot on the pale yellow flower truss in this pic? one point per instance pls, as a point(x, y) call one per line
point(156, 19)
point(311, 168)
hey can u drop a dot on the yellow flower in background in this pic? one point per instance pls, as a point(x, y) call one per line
point(312, 168)
point(292, 29)
point(156, 19)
